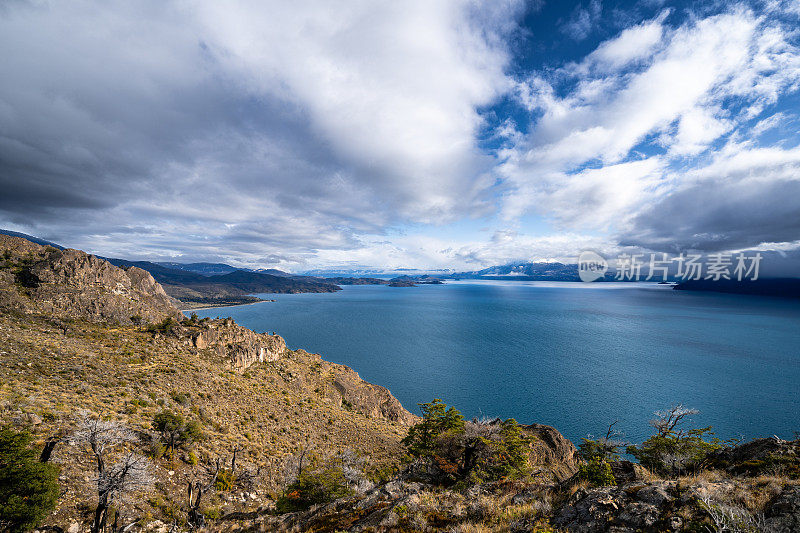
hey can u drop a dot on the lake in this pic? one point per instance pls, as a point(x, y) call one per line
point(571, 355)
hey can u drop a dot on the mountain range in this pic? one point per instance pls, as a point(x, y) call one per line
point(203, 284)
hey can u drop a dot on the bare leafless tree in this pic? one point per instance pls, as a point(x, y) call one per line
point(293, 468)
point(352, 466)
point(668, 420)
point(116, 482)
point(197, 488)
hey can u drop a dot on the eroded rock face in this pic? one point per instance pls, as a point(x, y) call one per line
point(627, 508)
point(242, 346)
point(669, 506)
point(70, 282)
point(628, 472)
point(42, 279)
point(554, 455)
point(372, 400)
point(783, 514)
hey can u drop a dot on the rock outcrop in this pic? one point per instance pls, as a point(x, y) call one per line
point(367, 398)
point(45, 280)
point(759, 456)
point(553, 456)
point(783, 514)
point(673, 506)
point(243, 347)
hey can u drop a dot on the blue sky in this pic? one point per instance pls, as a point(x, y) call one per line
point(440, 134)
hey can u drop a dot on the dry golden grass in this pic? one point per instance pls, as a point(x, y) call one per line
point(270, 412)
point(704, 476)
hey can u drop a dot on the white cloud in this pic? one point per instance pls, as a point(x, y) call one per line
point(768, 123)
point(676, 105)
point(743, 197)
point(633, 44)
point(502, 247)
point(307, 133)
point(392, 87)
point(583, 20)
point(697, 128)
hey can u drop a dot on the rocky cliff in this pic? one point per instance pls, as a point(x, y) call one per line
point(45, 280)
point(553, 456)
point(71, 284)
point(241, 346)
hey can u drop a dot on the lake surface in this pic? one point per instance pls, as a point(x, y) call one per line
point(571, 355)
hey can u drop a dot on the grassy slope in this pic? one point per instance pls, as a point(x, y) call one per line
point(126, 374)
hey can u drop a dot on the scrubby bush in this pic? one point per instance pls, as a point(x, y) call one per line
point(673, 450)
point(165, 326)
point(311, 488)
point(225, 480)
point(597, 455)
point(437, 421)
point(597, 472)
point(181, 398)
point(28, 487)
point(458, 451)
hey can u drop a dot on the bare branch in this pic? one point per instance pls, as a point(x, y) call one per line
point(666, 421)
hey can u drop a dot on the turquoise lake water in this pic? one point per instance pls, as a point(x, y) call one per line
point(571, 355)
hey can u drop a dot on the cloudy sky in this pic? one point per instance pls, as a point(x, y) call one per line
point(428, 134)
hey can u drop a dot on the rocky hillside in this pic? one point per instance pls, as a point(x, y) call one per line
point(78, 334)
point(46, 280)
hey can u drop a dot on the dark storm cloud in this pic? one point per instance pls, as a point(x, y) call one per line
point(237, 130)
point(720, 215)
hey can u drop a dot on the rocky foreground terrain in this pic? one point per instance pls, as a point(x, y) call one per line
point(229, 430)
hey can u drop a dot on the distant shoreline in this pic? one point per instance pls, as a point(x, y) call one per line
point(206, 306)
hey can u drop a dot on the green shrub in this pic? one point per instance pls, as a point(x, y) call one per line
point(473, 452)
point(174, 431)
point(28, 488)
point(225, 480)
point(212, 514)
point(165, 326)
point(497, 455)
point(674, 455)
point(597, 472)
point(181, 398)
point(673, 451)
point(310, 489)
point(437, 420)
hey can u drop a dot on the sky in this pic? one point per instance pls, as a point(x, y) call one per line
point(381, 134)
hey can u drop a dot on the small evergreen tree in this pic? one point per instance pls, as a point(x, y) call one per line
point(458, 451)
point(597, 454)
point(499, 454)
point(597, 472)
point(28, 488)
point(175, 431)
point(437, 420)
point(311, 488)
